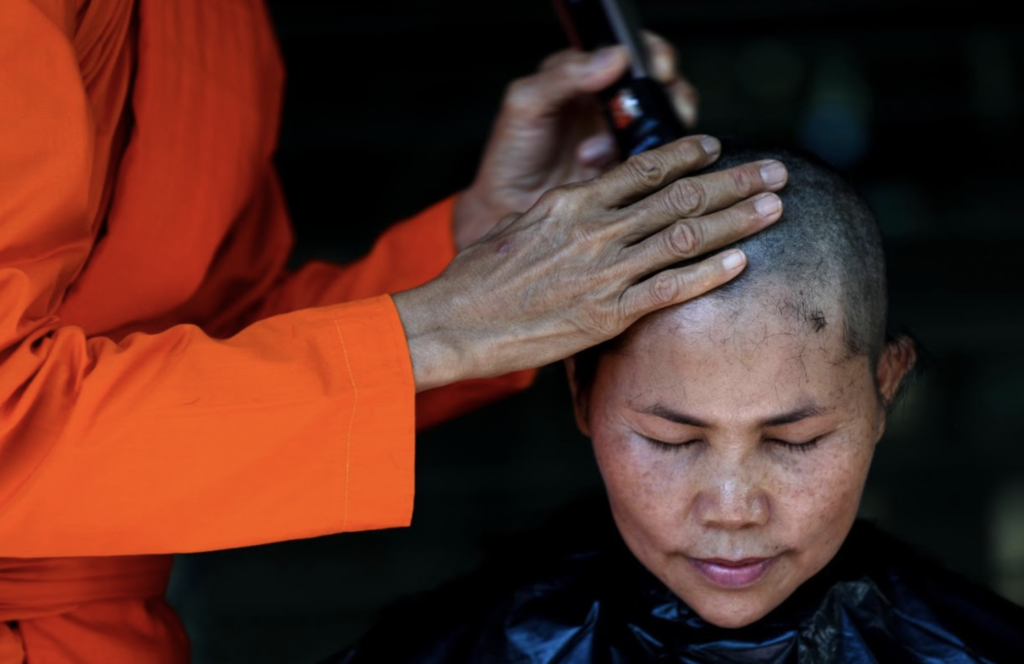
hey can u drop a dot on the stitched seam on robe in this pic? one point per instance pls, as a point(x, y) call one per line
point(351, 420)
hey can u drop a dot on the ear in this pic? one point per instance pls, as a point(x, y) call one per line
point(580, 398)
point(898, 358)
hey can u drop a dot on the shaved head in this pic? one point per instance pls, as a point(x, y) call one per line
point(821, 264)
point(825, 253)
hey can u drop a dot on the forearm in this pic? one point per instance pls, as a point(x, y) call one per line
point(301, 425)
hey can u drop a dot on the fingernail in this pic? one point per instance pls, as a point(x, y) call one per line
point(732, 259)
point(767, 205)
point(773, 173)
point(686, 108)
point(603, 57)
point(711, 145)
point(664, 67)
point(596, 148)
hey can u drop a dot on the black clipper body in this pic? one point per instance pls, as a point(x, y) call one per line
point(636, 106)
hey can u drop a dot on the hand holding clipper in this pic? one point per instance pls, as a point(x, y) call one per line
point(636, 106)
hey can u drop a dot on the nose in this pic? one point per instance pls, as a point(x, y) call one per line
point(732, 498)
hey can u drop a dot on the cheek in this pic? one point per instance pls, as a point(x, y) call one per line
point(628, 478)
point(824, 493)
point(819, 502)
point(645, 486)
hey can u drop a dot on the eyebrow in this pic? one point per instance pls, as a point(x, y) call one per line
point(795, 415)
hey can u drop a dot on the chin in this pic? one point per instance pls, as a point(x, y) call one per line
point(733, 613)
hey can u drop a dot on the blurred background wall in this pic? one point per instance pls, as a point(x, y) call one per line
point(387, 107)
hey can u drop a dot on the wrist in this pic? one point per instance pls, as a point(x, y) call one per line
point(435, 352)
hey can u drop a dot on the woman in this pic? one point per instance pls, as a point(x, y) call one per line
point(734, 434)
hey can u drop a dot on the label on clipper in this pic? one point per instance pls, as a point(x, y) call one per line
point(625, 108)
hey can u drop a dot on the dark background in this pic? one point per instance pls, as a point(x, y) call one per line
point(387, 108)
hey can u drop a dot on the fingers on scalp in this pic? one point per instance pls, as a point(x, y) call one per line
point(655, 293)
point(746, 180)
point(647, 169)
point(765, 206)
point(693, 237)
point(731, 197)
point(773, 173)
point(729, 186)
point(677, 286)
point(664, 289)
point(736, 222)
point(653, 167)
point(640, 174)
point(685, 239)
point(680, 241)
point(686, 198)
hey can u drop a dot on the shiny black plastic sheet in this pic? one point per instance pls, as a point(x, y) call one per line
point(877, 601)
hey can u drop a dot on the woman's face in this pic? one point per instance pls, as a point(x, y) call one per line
point(734, 442)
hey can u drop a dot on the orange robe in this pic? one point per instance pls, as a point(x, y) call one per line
point(165, 384)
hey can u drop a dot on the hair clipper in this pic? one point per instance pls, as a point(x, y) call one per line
point(636, 106)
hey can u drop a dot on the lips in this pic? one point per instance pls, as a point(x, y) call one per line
point(726, 573)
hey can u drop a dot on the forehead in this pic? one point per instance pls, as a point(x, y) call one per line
point(737, 354)
point(752, 322)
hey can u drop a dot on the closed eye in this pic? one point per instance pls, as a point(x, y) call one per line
point(805, 446)
point(667, 446)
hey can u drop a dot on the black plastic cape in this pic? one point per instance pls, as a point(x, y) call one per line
point(877, 601)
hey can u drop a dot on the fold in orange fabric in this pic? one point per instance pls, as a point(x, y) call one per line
point(70, 608)
point(165, 384)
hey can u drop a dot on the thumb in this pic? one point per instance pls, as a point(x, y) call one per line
point(563, 77)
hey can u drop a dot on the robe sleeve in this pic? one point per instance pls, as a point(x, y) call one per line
point(407, 255)
point(299, 425)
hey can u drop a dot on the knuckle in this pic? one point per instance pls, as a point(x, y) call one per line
point(740, 220)
point(686, 198)
point(692, 149)
point(684, 240)
point(664, 289)
point(550, 199)
point(647, 169)
point(561, 202)
point(744, 180)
